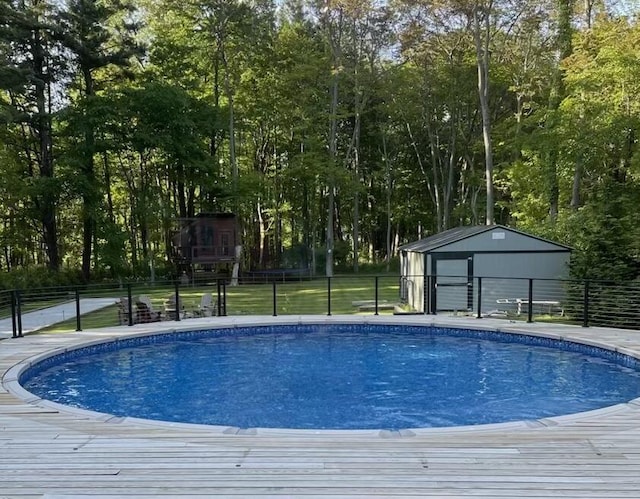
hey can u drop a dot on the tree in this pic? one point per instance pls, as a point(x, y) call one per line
point(332, 22)
point(302, 73)
point(155, 138)
point(27, 78)
point(99, 35)
point(601, 116)
point(562, 47)
point(480, 17)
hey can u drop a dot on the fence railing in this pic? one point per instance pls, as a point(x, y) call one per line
point(584, 303)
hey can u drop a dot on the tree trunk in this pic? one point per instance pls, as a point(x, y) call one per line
point(46, 201)
point(435, 160)
point(333, 112)
point(262, 237)
point(180, 188)
point(481, 36)
point(307, 226)
point(430, 189)
point(107, 183)
point(575, 190)
point(232, 129)
point(232, 156)
point(385, 158)
point(356, 198)
point(588, 12)
point(89, 196)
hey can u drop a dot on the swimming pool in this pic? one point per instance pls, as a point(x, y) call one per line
point(341, 376)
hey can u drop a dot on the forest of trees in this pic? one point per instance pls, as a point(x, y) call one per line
point(336, 130)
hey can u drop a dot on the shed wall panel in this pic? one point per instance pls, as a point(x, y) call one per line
point(506, 277)
point(504, 295)
point(414, 280)
point(526, 265)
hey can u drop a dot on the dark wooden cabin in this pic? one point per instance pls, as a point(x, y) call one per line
point(205, 241)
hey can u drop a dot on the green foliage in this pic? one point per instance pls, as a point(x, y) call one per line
point(605, 236)
point(381, 267)
point(102, 147)
point(39, 277)
point(341, 257)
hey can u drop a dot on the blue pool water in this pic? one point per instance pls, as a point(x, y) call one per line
point(338, 376)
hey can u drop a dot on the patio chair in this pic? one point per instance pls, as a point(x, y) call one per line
point(123, 311)
point(207, 307)
point(145, 311)
point(170, 308)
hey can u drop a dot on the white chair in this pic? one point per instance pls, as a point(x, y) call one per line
point(207, 307)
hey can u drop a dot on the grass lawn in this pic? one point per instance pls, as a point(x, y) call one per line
point(292, 298)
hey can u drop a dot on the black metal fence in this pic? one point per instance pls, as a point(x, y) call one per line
point(585, 303)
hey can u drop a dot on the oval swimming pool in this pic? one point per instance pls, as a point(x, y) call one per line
point(340, 376)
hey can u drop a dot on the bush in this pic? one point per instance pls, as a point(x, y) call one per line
point(341, 257)
point(39, 277)
point(381, 267)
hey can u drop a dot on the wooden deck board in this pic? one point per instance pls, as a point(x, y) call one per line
point(58, 454)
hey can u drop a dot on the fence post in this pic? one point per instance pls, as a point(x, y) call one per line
point(376, 297)
point(14, 323)
point(425, 295)
point(479, 316)
point(218, 304)
point(129, 304)
point(78, 324)
point(530, 305)
point(428, 296)
point(177, 292)
point(275, 299)
point(224, 298)
point(328, 295)
point(19, 312)
point(585, 317)
point(433, 294)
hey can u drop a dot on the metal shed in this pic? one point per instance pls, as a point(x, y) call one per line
point(446, 271)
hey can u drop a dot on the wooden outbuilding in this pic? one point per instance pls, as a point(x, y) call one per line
point(205, 241)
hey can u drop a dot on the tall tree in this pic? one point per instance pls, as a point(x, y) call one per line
point(332, 22)
point(99, 34)
point(27, 79)
point(481, 26)
point(367, 35)
point(564, 14)
point(303, 74)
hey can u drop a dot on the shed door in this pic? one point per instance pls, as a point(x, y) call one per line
point(452, 284)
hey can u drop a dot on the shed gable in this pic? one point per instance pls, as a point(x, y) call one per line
point(483, 238)
point(501, 240)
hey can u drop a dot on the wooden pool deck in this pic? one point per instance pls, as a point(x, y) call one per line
point(48, 451)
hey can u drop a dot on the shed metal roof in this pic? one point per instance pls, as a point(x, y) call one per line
point(459, 233)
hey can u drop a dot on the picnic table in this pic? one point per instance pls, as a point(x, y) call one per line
point(522, 305)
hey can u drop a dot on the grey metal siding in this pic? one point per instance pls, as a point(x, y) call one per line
point(527, 265)
point(504, 258)
point(506, 276)
point(500, 240)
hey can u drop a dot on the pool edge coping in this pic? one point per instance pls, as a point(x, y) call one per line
point(10, 377)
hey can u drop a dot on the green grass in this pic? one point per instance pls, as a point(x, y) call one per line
point(292, 298)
